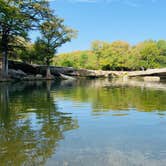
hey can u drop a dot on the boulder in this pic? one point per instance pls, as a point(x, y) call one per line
point(16, 74)
point(29, 78)
point(26, 68)
point(39, 76)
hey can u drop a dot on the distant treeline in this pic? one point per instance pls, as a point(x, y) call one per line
point(118, 55)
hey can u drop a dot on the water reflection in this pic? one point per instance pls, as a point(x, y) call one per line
point(30, 125)
point(34, 118)
point(117, 95)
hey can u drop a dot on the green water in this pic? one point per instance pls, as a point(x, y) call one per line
point(83, 123)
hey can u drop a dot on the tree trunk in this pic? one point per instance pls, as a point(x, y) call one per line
point(4, 56)
point(48, 73)
point(4, 64)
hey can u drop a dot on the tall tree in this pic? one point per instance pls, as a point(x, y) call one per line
point(17, 17)
point(97, 47)
point(53, 34)
point(149, 53)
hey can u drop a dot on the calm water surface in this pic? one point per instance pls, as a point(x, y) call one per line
point(83, 123)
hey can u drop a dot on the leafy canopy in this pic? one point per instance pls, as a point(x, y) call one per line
point(53, 34)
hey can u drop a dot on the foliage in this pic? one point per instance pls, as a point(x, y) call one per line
point(77, 59)
point(118, 55)
point(53, 34)
point(17, 17)
point(37, 15)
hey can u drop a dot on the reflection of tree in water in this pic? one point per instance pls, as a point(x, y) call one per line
point(115, 97)
point(30, 125)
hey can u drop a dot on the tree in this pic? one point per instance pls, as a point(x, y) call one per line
point(161, 44)
point(27, 53)
point(149, 53)
point(98, 47)
point(53, 34)
point(17, 17)
point(118, 55)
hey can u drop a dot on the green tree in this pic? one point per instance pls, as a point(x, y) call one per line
point(118, 55)
point(27, 53)
point(53, 34)
point(161, 44)
point(97, 48)
point(17, 17)
point(149, 53)
point(133, 58)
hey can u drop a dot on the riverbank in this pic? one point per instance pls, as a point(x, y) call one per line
point(23, 71)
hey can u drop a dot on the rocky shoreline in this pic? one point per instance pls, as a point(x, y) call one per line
point(24, 71)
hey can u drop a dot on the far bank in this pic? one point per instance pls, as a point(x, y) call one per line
point(23, 71)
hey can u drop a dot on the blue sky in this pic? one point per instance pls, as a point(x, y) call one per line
point(110, 20)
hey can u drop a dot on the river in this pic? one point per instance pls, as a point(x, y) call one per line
point(83, 123)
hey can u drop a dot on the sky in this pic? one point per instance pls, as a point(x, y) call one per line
point(109, 20)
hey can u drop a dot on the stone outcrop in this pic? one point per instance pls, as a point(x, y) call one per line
point(26, 68)
point(23, 71)
point(97, 73)
point(148, 72)
point(16, 74)
point(40, 69)
point(151, 79)
point(39, 76)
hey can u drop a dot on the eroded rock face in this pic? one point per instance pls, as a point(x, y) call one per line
point(16, 74)
point(40, 69)
point(39, 72)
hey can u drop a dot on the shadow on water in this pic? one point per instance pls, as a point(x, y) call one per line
point(30, 124)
